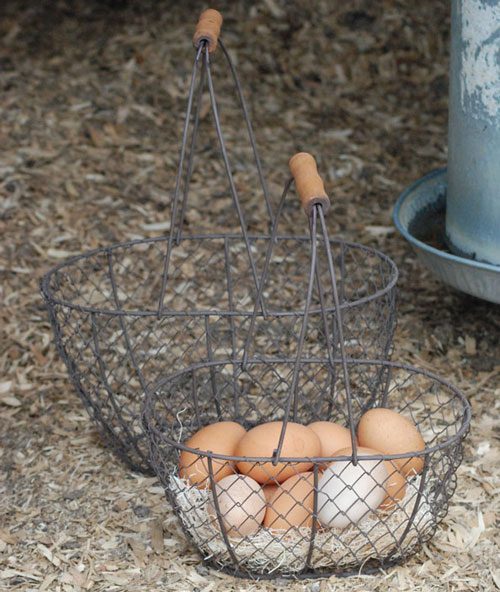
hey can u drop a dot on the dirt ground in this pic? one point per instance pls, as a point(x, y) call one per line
point(91, 103)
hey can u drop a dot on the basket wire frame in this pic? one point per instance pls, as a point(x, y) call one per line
point(314, 276)
point(129, 315)
point(214, 391)
point(164, 336)
point(378, 541)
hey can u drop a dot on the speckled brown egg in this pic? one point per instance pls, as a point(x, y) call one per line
point(220, 438)
point(262, 440)
point(392, 433)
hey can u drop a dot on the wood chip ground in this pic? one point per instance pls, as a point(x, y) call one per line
point(91, 102)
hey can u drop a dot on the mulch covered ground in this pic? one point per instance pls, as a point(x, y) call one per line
point(91, 102)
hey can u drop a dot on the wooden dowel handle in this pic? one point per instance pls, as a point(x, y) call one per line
point(308, 182)
point(208, 29)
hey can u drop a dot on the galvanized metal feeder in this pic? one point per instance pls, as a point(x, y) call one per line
point(452, 218)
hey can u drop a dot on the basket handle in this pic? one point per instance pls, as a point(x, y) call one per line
point(208, 29)
point(311, 190)
point(206, 39)
point(308, 182)
point(314, 201)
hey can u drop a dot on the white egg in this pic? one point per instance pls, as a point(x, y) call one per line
point(348, 492)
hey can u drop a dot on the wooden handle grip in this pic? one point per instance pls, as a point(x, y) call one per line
point(308, 182)
point(208, 29)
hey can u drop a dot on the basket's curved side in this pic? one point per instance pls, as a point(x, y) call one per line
point(116, 434)
point(107, 343)
point(440, 411)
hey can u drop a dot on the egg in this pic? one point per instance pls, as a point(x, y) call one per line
point(220, 438)
point(262, 441)
point(348, 492)
point(392, 433)
point(269, 490)
point(292, 504)
point(395, 486)
point(332, 436)
point(242, 505)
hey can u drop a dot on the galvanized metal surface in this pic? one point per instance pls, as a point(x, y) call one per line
point(473, 203)
point(419, 216)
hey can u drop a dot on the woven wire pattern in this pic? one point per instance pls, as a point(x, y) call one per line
point(103, 309)
point(180, 405)
point(164, 336)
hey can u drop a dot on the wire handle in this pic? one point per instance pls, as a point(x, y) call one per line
point(314, 199)
point(309, 184)
point(208, 29)
point(206, 39)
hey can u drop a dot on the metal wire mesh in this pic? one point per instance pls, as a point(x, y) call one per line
point(103, 308)
point(327, 514)
point(164, 336)
point(127, 315)
point(297, 542)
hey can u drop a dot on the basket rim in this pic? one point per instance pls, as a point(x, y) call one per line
point(52, 300)
point(148, 414)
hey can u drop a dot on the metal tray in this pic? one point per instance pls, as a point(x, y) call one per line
point(419, 215)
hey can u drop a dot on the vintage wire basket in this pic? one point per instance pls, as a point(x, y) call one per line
point(128, 315)
point(326, 514)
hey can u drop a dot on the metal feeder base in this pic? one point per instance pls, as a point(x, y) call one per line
point(419, 215)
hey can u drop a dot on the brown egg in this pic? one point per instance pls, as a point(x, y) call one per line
point(269, 490)
point(292, 504)
point(395, 486)
point(262, 441)
point(360, 450)
point(332, 436)
point(220, 438)
point(392, 433)
point(241, 505)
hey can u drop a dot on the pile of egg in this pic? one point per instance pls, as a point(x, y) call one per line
point(281, 496)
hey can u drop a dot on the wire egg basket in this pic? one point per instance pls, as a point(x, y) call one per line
point(343, 513)
point(129, 315)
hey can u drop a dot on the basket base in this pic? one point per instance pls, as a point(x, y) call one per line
point(263, 553)
point(371, 567)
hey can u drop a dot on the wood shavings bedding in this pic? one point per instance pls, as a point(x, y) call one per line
point(364, 87)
